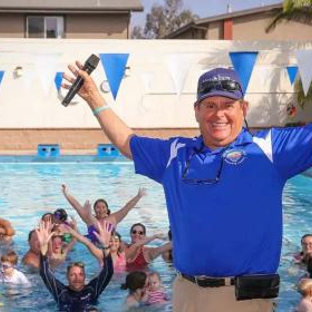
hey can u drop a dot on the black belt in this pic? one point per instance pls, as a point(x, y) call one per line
point(209, 281)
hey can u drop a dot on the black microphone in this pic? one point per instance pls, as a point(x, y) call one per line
point(89, 67)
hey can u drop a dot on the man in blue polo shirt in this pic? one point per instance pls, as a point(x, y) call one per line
point(226, 185)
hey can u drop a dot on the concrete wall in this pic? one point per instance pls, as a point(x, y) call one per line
point(215, 30)
point(12, 25)
point(97, 26)
point(27, 104)
point(80, 26)
point(252, 27)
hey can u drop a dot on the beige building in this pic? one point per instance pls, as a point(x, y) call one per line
point(83, 19)
point(244, 25)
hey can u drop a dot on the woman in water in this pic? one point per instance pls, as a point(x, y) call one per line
point(118, 256)
point(138, 255)
point(101, 210)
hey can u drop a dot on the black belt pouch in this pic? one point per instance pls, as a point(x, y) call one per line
point(257, 286)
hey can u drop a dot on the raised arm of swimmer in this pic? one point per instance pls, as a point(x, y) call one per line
point(115, 129)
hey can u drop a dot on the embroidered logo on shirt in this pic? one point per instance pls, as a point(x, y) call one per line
point(234, 156)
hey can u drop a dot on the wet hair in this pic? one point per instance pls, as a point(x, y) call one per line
point(138, 224)
point(10, 256)
point(170, 256)
point(170, 235)
point(60, 214)
point(305, 287)
point(78, 264)
point(114, 234)
point(154, 273)
point(57, 236)
point(134, 281)
point(102, 200)
point(305, 236)
point(48, 214)
point(308, 261)
point(30, 234)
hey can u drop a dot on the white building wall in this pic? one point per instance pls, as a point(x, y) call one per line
point(26, 102)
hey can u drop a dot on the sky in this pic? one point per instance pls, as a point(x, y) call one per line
point(203, 8)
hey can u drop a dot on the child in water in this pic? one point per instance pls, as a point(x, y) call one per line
point(155, 291)
point(136, 282)
point(305, 288)
point(6, 231)
point(8, 273)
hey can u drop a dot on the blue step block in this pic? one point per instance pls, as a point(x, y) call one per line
point(48, 150)
point(108, 150)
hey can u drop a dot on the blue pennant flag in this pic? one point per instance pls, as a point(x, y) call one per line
point(243, 63)
point(114, 65)
point(292, 73)
point(1, 75)
point(58, 80)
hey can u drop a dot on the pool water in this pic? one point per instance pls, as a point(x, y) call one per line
point(27, 190)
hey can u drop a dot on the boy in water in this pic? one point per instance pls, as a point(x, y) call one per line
point(9, 274)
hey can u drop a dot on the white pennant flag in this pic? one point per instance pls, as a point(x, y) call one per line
point(46, 67)
point(147, 79)
point(304, 60)
point(179, 66)
point(28, 78)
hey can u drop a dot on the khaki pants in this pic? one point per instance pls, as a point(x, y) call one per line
point(189, 297)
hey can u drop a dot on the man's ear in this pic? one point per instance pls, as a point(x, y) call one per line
point(196, 108)
point(245, 107)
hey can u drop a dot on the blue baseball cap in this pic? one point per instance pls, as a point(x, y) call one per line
point(219, 82)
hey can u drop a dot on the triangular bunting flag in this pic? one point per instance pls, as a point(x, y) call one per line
point(1, 75)
point(29, 77)
point(243, 63)
point(146, 78)
point(58, 80)
point(45, 67)
point(179, 65)
point(292, 73)
point(304, 60)
point(114, 65)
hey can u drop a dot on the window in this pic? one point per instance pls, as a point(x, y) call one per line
point(45, 27)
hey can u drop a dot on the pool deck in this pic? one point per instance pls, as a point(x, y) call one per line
point(32, 152)
point(71, 141)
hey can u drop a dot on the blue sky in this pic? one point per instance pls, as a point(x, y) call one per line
point(203, 8)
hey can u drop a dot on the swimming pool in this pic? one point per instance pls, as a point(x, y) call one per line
point(30, 188)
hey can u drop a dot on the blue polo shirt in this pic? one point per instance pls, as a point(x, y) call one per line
point(232, 226)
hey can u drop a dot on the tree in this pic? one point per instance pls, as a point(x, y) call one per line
point(303, 99)
point(293, 10)
point(163, 19)
point(300, 11)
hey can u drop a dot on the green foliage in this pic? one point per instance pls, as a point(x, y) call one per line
point(301, 98)
point(163, 19)
point(293, 10)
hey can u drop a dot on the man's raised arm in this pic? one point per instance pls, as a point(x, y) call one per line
point(115, 129)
